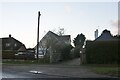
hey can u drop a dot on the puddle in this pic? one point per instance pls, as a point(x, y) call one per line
point(35, 72)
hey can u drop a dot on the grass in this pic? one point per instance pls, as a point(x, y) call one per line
point(107, 69)
point(11, 61)
point(112, 71)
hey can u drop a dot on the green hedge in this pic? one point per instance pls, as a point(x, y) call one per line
point(104, 52)
point(66, 52)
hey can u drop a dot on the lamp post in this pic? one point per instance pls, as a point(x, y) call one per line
point(38, 35)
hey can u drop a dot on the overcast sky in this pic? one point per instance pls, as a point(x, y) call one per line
point(20, 19)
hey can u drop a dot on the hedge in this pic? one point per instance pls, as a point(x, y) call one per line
point(8, 54)
point(103, 52)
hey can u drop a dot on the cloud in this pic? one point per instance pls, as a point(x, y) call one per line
point(116, 25)
point(68, 9)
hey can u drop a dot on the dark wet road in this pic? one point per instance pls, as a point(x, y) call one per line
point(18, 71)
point(26, 72)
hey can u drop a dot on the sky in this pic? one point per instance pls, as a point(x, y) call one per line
point(20, 19)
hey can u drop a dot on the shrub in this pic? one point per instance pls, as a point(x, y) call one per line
point(46, 58)
point(105, 52)
point(65, 53)
point(8, 54)
point(77, 52)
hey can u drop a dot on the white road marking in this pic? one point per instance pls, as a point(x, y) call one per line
point(36, 72)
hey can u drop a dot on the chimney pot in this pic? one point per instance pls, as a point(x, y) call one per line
point(9, 35)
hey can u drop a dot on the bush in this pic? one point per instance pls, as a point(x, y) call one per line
point(8, 54)
point(66, 52)
point(46, 58)
point(104, 52)
point(77, 52)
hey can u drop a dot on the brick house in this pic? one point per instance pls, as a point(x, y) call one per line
point(48, 43)
point(10, 45)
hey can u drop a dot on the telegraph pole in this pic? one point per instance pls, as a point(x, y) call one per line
point(38, 35)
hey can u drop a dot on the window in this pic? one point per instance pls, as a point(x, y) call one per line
point(15, 45)
point(7, 44)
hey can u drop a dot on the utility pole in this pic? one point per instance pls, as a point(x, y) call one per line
point(38, 35)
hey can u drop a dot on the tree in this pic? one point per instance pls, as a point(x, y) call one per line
point(78, 43)
point(79, 40)
point(51, 45)
point(117, 36)
point(54, 50)
point(66, 52)
point(61, 31)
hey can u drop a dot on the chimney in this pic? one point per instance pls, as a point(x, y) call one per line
point(96, 33)
point(10, 35)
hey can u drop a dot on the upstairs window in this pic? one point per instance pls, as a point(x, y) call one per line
point(15, 45)
point(7, 44)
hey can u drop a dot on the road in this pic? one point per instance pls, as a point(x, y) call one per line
point(47, 71)
point(26, 71)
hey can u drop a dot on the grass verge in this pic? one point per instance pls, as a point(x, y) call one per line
point(105, 69)
point(112, 71)
point(13, 61)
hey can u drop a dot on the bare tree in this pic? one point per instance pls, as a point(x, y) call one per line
point(51, 49)
point(61, 31)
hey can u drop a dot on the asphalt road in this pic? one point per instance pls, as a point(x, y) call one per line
point(26, 71)
point(47, 71)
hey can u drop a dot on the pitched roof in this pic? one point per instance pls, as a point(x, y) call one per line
point(51, 34)
point(7, 38)
point(61, 38)
point(105, 36)
point(22, 48)
point(10, 40)
point(57, 37)
point(65, 37)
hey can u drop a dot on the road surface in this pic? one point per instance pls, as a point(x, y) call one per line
point(47, 71)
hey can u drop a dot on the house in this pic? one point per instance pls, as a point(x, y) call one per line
point(22, 49)
point(10, 45)
point(31, 53)
point(105, 36)
point(21, 53)
point(25, 54)
point(49, 42)
point(103, 50)
point(31, 50)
